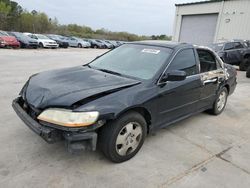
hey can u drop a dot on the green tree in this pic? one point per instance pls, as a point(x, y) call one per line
point(4, 11)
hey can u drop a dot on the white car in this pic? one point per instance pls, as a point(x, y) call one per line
point(43, 41)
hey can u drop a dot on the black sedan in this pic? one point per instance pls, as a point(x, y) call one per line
point(25, 41)
point(60, 40)
point(120, 97)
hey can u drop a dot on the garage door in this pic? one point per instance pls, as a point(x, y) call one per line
point(198, 29)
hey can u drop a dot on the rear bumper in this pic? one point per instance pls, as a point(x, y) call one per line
point(75, 141)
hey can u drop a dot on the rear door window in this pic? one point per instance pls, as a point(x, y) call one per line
point(229, 46)
point(208, 61)
point(185, 61)
point(238, 45)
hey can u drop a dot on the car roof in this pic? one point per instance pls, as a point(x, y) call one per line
point(164, 43)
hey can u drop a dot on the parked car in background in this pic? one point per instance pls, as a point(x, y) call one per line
point(43, 41)
point(95, 44)
point(114, 43)
point(60, 40)
point(8, 41)
point(107, 44)
point(119, 43)
point(245, 42)
point(24, 40)
point(123, 95)
point(77, 42)
point(233, 53)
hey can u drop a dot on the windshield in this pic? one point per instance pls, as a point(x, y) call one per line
point(3, 33)
point(139, 61)
point(41, 36)
point(217, 47)
point(20, 35)
point(247, 44)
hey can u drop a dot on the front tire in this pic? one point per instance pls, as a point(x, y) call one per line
point(220, 102)
point(41, 45)
point(79, 45)
point(121, 139)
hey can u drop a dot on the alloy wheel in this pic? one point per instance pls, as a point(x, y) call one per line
point(221, 101)
point(128, 138)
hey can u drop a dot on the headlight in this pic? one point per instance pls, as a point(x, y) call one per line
point(68, 118)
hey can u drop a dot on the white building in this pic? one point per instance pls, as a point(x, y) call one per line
point(211, 21)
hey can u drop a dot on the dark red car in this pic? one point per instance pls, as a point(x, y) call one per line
point(8, 41)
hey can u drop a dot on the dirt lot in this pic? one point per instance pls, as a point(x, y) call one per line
point(202, 151)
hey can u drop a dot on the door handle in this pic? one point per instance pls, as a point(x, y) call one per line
point(210, 81)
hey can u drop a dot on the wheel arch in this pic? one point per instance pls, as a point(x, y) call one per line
point(246, 56)
point(227, 87)
point(141, 110)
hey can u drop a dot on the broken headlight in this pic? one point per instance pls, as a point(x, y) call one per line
point(68, 118)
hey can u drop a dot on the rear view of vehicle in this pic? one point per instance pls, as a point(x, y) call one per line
point(8, 41)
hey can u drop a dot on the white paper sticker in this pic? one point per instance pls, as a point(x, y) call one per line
point(151, 51)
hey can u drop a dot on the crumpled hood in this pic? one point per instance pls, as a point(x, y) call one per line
point(64, 87)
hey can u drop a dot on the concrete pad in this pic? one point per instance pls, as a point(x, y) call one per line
point(216, 174)
point(30, 161)
point(239, 156)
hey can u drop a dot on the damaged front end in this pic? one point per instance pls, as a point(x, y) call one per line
point(75, 138)
point(48, 101)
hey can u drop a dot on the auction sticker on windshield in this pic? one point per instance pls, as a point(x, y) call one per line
point(151, 51)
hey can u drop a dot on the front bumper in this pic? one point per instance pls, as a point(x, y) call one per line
point(75, 140)
point(13, 45)
point(51, 45)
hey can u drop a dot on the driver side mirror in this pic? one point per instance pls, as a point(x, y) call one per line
point(175, 75)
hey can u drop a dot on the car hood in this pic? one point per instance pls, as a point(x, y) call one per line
point(65, 87)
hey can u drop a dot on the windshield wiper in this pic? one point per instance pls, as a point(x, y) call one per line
point(109, 71)
point(88, 66)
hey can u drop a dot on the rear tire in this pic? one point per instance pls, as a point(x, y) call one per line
point(244, 64)
point(79, 45)
point(248, 72)
point(122, 138)
point(220, 102)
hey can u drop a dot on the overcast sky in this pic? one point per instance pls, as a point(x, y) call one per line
point(143, 17)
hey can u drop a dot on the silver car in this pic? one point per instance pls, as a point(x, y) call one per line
point(77, 42)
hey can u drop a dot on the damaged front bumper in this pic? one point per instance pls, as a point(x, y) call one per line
point(75, 140)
